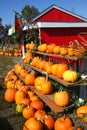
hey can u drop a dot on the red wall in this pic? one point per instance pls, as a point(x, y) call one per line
point(58, 16)
point(61, 36)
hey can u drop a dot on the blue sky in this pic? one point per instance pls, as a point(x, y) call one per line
point(6, 6)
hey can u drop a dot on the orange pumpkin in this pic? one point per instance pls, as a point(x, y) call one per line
point(38, 81)
point(49, 122)
point(63, 51)
point(19, 96)
point(40, 114)
point(42, 47)
point(61, 68)
point(62, 123)
point(28, 112)
point(50, 48)
point(33, 124)
point(46, 87)
point(29, 79)
point(56, 50)
point(62, 98)
point(37, 104)
point(25, 101)
point(9, 95)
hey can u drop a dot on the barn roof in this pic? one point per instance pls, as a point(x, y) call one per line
point(60, 9)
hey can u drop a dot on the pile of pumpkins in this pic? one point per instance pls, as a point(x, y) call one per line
point(13, 52)
point(60, 70)
point(74, 49)
point(30, 105)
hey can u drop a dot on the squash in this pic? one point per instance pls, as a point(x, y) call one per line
point(70, 76)
point(81, 111)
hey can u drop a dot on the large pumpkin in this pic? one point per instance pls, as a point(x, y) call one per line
point(9, 95)
point(70, 76)
point(33, 124)
point(81, 111)
point(61, 68)
point(62, 123)
point(62, 98)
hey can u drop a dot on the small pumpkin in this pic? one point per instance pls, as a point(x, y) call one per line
point(37, 104)
point(62, 98)
point(49, 122)
point(28, 112)
point(33, 124)
point(63, 123)
point(46, 87)
point(70, 76)
point(42, 47)
point(9, 95)
point(81, 111)
point(29, 79)
point(40, 114)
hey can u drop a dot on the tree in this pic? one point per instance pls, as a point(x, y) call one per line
point(29, 12)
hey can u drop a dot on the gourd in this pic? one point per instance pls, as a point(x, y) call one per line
point(70, 76)
point(81, 111)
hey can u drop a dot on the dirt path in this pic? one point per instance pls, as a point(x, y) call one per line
point(9, 120)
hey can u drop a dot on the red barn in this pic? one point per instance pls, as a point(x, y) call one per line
point(57, 25)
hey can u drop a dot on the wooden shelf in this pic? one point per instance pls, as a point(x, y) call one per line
point(47, 99)
point(61, 81)
point(60, 56)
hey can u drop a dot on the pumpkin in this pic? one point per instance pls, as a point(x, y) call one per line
point(62, 98)
point(18, 68)
point(56, 50)
point(35, 97)
point(28, 112)
point(54, 69)
point(70, 51)
point(37, 104)
point(19, 84)
point(19, 96)
point(38, 81)
point(29, 79)
point(63, 123)
point(10, 84)
point(81, 111)
point(63, 50)
point(61, 68)
point(33, 124)
point(50, 48)
point(9, 95)
point(40, 114)
point(49, 122)
point(46, 87)
point(70, 76)
point(42, 47)
point(25, 101)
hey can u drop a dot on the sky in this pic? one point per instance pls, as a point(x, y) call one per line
point(79, 7)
